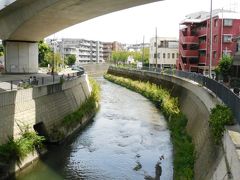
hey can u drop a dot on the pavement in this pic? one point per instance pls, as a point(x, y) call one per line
point(10, 82)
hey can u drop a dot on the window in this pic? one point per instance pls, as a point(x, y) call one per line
point(155, 44)
point(173, 55)
point(202, 53)
point(227, 22)
point(215, 38)
point(215, 55)
point(158, 55)
point(164, 55)
point(155, 55)
point(227, 38)
point(215, 23)
point(168, 55)
point(161, 43)
point(177, 55)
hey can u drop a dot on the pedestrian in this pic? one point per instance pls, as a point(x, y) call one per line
point(30, 80)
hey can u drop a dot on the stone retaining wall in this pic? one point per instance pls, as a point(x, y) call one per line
point(46, 104)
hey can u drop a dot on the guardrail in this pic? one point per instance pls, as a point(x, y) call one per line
point(34, 81)
point(227, 96)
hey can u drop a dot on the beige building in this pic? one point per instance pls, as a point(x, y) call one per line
point(164, 53)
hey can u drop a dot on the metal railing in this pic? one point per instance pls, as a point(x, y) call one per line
point(37, 81)
point(223, 92)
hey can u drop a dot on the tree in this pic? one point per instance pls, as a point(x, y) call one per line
point(55, 60)
point(43, 52)
point(1, 50)
point(120, 56)
point(146, 57)
point(70, 59)
point(225, 65)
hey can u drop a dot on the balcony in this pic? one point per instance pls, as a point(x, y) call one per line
point(189, 40)
point(203, 45)
point(202, 59)
point(202, 31)
point(188, 53)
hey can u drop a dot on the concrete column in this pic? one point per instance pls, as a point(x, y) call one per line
point(21, 57)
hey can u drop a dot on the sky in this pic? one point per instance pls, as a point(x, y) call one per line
point(131, 25)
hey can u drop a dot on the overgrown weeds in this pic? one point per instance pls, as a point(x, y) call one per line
point(17, 150)
point(220, 116)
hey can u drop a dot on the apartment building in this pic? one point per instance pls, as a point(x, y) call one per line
point(109, 47)
point(163, 52)
point(86, 51)
point(194, 39)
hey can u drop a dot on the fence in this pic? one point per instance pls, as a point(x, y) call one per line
point(231, 99)
point(37, 81)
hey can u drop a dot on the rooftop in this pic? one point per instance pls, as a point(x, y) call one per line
point(201, 16)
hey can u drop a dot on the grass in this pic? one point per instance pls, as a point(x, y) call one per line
point(184, 154)
point(17, 150)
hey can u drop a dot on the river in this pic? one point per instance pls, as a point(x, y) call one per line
point(127, 132)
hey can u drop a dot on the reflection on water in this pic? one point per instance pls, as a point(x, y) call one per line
point(127, 132)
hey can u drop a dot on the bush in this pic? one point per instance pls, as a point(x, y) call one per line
point(184, 154)
point(220, 116)
point(17, 150)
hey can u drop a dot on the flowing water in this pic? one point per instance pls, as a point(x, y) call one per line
point(124, 141)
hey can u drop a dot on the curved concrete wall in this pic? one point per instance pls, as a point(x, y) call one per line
point(47, 104)
point(196, 102)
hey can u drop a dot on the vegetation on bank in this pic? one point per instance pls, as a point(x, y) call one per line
point(220, 116)
point(88, 107)
point(17, 150)
point(184, 154)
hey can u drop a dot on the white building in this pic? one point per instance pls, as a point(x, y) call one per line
point(166, 53)
point(136, 47)
point(85, 50)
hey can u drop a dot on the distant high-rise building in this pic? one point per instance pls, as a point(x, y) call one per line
point(194, 39)
point(164, 52)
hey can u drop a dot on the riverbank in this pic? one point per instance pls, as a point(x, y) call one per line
point(18, 153)
point(184, 155)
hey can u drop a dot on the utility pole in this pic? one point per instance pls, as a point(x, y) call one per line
point(222, 36)
point(210, 59)
point(156, 47)
point(143, 51)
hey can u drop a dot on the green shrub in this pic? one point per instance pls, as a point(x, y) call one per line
point(220, 116)
point(184, 154)
point(17, 150)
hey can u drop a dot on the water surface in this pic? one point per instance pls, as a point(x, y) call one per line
point(128, 130)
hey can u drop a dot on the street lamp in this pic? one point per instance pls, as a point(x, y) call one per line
point(53, 42)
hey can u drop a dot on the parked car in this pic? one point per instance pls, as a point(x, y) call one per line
point(78, 68)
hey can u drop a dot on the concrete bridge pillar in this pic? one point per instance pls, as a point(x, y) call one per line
point(21, 57)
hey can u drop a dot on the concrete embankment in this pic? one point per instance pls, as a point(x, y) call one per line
point(212, 162)
point(41, 109)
